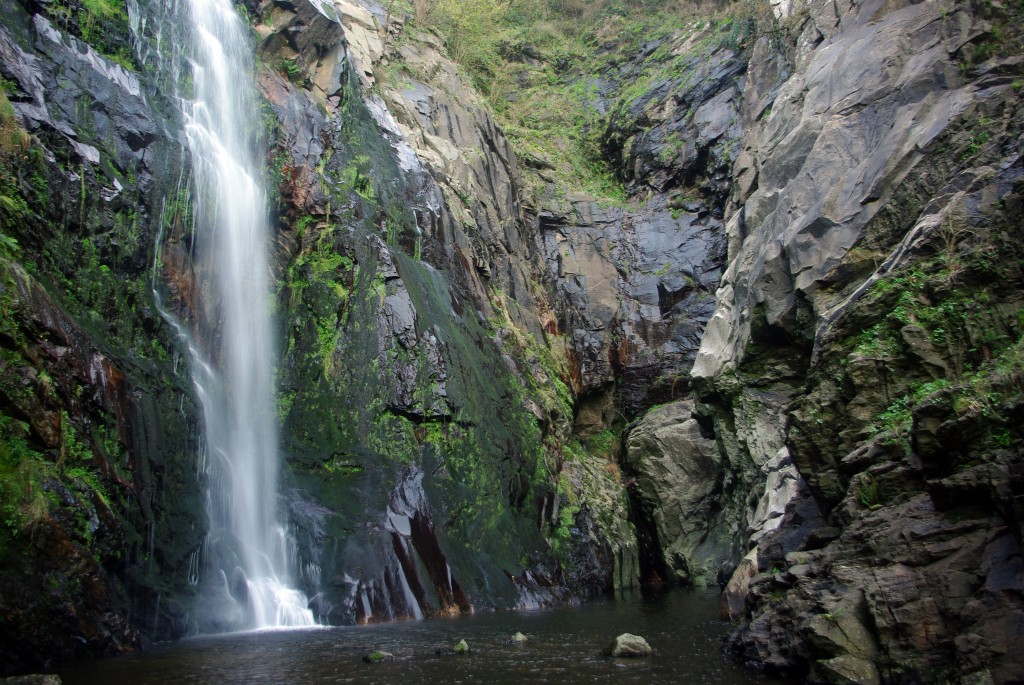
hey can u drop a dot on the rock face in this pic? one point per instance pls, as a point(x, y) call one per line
point(858, 312)
point(633, 288)
point(419, 390)
point(678, 481)
point(814, 271)
point(634, 283)
point(100, 503)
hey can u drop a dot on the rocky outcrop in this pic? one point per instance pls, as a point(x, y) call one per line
point(634, 282)
point(874, 173)
point(815, 173)
point(678, 481)
point(632, 289)
point(416, 344)
point(674, 123)
point(100, 501)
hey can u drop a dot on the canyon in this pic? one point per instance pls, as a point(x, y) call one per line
point(732, 300)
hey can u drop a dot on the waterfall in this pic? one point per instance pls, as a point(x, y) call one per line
point(249, 553)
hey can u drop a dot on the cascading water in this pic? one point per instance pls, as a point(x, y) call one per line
point(249, 553)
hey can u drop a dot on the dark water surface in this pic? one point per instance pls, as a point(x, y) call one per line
point(564, 647)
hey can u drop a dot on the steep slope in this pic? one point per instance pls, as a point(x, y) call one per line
point(631, 260)
point(424, 413)
point(101, 509)
point(873, 294)
point(868, 315)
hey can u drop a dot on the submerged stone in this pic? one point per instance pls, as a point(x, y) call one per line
point(628, 645)
point(461, 647)
point(378, 656)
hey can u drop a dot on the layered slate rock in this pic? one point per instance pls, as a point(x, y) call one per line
point(678, 481)
point(839, 144)
point(418, 371)
point(97, 426)
point(633, 288)
point(881, 161)
point(677, 127)
point(634, 282)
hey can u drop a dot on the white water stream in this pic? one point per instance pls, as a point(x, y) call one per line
point(250, 555)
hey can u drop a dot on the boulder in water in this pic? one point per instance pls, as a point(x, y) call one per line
point(378, 656)
point(627, 646)
point(461, 647)
point(518, 638)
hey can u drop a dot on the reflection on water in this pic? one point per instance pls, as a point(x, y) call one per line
point(564, 647)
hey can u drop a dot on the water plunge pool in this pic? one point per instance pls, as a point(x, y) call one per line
point(564, 646)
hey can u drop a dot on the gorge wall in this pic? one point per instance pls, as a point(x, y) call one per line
point(872, 304)
point(783, 355)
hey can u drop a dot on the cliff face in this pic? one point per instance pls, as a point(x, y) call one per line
point(98, 430)
point(415, 443)
point(784, 354)
point(873, 293)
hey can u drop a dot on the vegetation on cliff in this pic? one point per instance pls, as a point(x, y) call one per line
point(459, 390)
point(552, 72)
point(93, 418)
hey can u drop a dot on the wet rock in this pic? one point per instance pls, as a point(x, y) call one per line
point(678, 475)
point(627, 646)
point(309, 35)
point(459, 648)
point(605, 554)
point(118, 124)
point(682, 128)
point(378, 656)
point(633, 289)
point(410, 223)
point(102, 155)
point(518, 638)
point(734, 596)
point(858, 516)
point(805, 192)
point(364, 41)
point(848, 669)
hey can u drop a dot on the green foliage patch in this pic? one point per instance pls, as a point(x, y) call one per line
point(103, 24)
point(951, 307)
point(22, 473)
point(539, 64)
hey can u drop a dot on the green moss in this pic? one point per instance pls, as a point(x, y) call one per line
point(22, 473)
point(103, 24)
point(561, 533)
point(14, 146)
point(951, 299)
point(605, 444)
